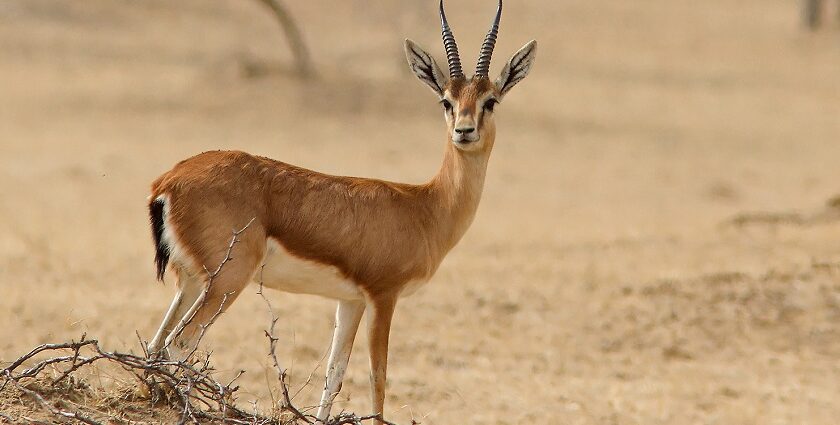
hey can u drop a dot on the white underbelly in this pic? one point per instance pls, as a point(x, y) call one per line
point(285, 272)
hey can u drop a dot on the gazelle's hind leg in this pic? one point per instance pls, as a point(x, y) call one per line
point(165, 328)
point(190, 288)
point(214, 299)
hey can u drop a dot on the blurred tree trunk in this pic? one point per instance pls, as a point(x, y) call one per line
point(837, 10)
point(396, 21)
point(303, 62)
point(811, 10)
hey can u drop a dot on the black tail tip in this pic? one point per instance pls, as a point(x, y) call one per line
point(156, 218)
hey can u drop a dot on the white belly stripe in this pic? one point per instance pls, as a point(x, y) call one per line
point(288, 273)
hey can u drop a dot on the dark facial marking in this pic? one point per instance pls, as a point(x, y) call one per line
point(489, 104)
point(447, 106)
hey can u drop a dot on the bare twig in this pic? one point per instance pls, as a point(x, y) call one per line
point(286, 402)
point(44, 347)
point(143, 344)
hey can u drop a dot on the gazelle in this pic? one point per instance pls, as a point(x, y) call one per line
point(364, 242)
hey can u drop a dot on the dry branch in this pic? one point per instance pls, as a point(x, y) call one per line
point(286, 402)
point(185, 386)
point(191, 382)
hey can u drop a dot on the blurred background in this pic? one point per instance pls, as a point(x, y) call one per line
point(658, 241)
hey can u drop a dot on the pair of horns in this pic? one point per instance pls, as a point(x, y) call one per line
point(482, 69)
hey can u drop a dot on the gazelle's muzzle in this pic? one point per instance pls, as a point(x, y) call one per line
point(465, 130)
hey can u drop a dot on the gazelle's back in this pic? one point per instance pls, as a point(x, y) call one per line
point(374, 233)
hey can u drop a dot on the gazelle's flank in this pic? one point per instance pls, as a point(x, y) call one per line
point(364, 242)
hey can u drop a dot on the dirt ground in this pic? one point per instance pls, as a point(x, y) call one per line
point(655, 245)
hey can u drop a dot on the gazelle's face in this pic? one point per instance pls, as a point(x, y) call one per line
point(469, 106)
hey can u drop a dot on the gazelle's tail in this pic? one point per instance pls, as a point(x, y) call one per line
point(156, 211)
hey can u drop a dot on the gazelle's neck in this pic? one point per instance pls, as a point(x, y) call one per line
point(456, 191)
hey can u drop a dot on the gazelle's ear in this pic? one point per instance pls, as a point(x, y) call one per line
point(517, 68)
point(424, 67)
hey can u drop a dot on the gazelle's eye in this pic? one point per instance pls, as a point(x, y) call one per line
point(447, 106)
point(490, 104)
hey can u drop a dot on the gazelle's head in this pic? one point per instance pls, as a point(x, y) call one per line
point(469, 103)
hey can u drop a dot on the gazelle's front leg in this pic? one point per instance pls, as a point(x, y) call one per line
point(347, 318)
point(379, 329)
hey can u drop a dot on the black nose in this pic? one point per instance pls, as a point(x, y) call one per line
point(465, 130)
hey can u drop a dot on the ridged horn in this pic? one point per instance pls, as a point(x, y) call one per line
point(451, 47)
point(482, 69)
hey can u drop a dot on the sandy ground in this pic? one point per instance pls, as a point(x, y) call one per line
point(628, 264)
